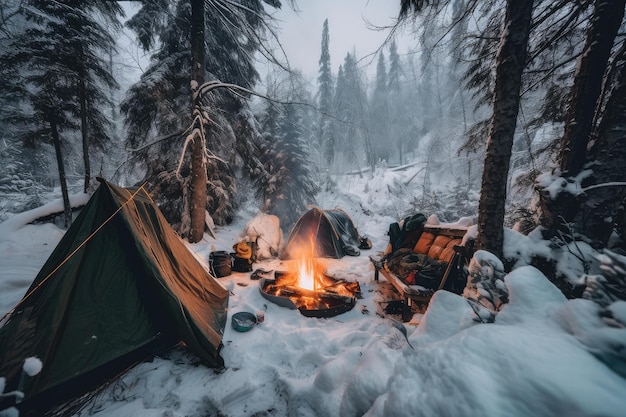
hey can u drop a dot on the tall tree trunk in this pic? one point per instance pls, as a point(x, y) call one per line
point(510, 63)
point(605, 22)
point(67, 209)
point(599, 211)
point(590, 72)
point(84, 128)
point(198, 162)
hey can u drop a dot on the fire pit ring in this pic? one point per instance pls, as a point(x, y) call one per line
point(326, 303)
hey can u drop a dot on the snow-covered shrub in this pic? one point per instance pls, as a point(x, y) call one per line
point(485, 285)
point(609, 287)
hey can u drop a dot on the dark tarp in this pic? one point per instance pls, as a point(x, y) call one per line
point(330, 232)
point(119, 286)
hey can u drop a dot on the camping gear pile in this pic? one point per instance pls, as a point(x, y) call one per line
point(119, 287)
point(265, 231)
point(223, 263)
point(421, 259)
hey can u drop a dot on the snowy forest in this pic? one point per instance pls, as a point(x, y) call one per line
point(511, 113)
point(440, 108)
point(548, 117)
point(546, 110)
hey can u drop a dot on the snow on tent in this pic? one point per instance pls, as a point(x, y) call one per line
point(120, 286)
point(328, 233)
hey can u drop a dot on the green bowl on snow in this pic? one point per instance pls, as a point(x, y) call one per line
point(243, 321)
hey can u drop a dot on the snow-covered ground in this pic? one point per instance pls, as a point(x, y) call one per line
point(535, 360)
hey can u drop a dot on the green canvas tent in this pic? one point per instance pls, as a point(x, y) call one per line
point(120, 286)
point(330, 232)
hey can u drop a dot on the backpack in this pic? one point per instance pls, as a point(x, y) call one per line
point(407, 235)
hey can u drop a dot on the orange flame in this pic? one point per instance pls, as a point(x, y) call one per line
point(307, 268)
point(306, 273)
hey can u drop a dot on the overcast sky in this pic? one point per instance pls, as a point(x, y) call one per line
point(300, 33)
point(348, 20)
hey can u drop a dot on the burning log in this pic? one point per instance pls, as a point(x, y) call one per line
point(309, 289)
point(330, 299)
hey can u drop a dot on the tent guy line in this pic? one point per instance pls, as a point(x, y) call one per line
point(132, 196)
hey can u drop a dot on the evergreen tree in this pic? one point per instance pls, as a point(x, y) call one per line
point(510, 64)
point(336, 128)
point(62, 89)
point(269, 120)
point(353, 142)
point(20, 187)
point(592, 65)
point(584, 109)
point(379, 113)
point(325, 92)
point(291, 187)
point(198, 175)
point(603, 210)
point(510, 61)
point(231, 39)
point(404, 106)
point(395, 68)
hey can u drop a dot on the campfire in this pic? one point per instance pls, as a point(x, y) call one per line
point(309, 289)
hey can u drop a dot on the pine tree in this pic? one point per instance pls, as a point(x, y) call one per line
point(605, 24)
point(269, 119)
point(404, 110)
point(379, 113)
point(336, 128)
point(63, 88)
point(352, 141)
point(231, 39)
point(395, 68)
point(510, 64)
point(603, 210)
point(291, 187)
point(198, 175)
point(554, 42)
point(583, 111)
point(325, 92)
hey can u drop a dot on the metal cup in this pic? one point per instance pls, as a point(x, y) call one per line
point(260, 316)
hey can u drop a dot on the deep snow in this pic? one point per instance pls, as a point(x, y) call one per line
point(535, 360)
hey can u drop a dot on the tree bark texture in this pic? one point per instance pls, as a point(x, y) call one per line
point(84, 129)
point(510, 63)
point(67, 209)
point(605, 23)
point(589, 217)
point(598, 216)
point(198, 162)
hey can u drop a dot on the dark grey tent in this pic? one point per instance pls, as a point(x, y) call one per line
point(330, 232)
point(120, 286)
